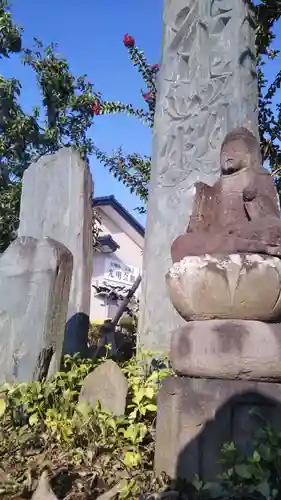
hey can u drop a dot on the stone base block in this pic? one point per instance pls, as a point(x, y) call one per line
point(228, 349)
point(196, 417)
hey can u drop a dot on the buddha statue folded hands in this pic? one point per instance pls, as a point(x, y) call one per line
point(240, 213)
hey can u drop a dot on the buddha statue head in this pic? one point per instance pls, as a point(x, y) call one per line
point(240, 150)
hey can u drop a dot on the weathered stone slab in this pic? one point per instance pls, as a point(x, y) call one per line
point(228, 349)
point(195, 417)
point(57, 203)
point(207, 86)
point(108, 385)
point(35, 279)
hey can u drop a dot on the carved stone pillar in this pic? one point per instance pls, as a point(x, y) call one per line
point(207, 87)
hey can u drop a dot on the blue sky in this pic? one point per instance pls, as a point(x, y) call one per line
point(89, 34)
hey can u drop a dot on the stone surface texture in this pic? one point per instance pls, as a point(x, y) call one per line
point(108, 385)
point(57, 203)
point(227, 287)
point(207, 86)
point(35, 279)
point(197, 416)
point(228, 349)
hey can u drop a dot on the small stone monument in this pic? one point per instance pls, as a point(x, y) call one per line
point(35, 279)
point(56, 202)
point(108, 385)
point(225, 282)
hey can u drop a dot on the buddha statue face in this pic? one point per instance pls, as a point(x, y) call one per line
point(240, 150)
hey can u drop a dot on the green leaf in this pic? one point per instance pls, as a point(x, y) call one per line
point(2, 407)
point(264, 489)
point(132, 459)
point(33, 419)
point(151, 407)
point(139, 395)
point(149, 392)
point(131, 432)
point(242, 470)
point(111, 422)
point(197, 483)
point(274, 493)
point(83, 409)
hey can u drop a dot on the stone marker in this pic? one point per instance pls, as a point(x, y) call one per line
point(57, 202)
point(207, 87)
point(35, 279)
point(108, 385)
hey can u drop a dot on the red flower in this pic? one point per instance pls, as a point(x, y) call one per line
point(155, 67)
point(148, 97)
point(129, 41)
point(96, 108)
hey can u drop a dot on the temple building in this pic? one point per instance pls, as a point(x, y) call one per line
point(117, 260)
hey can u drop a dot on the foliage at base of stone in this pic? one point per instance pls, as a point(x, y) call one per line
point(88, 451)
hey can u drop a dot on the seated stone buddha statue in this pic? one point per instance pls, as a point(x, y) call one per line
point(240, 213)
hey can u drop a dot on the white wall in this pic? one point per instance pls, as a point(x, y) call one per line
point(129, 254)
point(98, 309)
